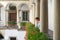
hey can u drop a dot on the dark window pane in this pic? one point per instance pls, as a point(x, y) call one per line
point(23, 16)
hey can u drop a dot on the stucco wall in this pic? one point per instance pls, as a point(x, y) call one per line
point(14, 33)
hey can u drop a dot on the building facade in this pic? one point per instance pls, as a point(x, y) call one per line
point(27, 10)
point(18, 11)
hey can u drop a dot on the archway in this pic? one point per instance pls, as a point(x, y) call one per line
point(12, 12)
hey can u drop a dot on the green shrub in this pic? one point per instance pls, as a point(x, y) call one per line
point(22, 23)
point(11, 22)
point(34, 33)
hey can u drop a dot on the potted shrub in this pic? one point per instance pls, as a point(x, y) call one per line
point(11, 23)
point(23, 24)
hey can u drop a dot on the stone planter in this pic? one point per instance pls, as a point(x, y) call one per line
point(11, 25)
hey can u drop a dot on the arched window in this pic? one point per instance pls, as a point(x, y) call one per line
point(11, 6)
point(25, 15)
point(25, 12)
point(12, 12)
point(0, 11)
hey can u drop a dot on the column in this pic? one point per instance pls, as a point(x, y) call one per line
point(34, 9)
point(18, 22)
point(56, 33)
point(38, 11)
point(44, 16)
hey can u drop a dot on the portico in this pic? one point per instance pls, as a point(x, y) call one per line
point(44, 18)
point(26, 11)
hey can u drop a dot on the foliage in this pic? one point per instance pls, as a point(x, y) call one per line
point(34, 33)
point(22, 23)
point(11, 22)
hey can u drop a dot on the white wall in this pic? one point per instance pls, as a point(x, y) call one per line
point(14, 33)
point(51, 14)
point(4, 13)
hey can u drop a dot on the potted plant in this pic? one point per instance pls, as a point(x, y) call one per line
point(11, 23)
point(23, 24)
